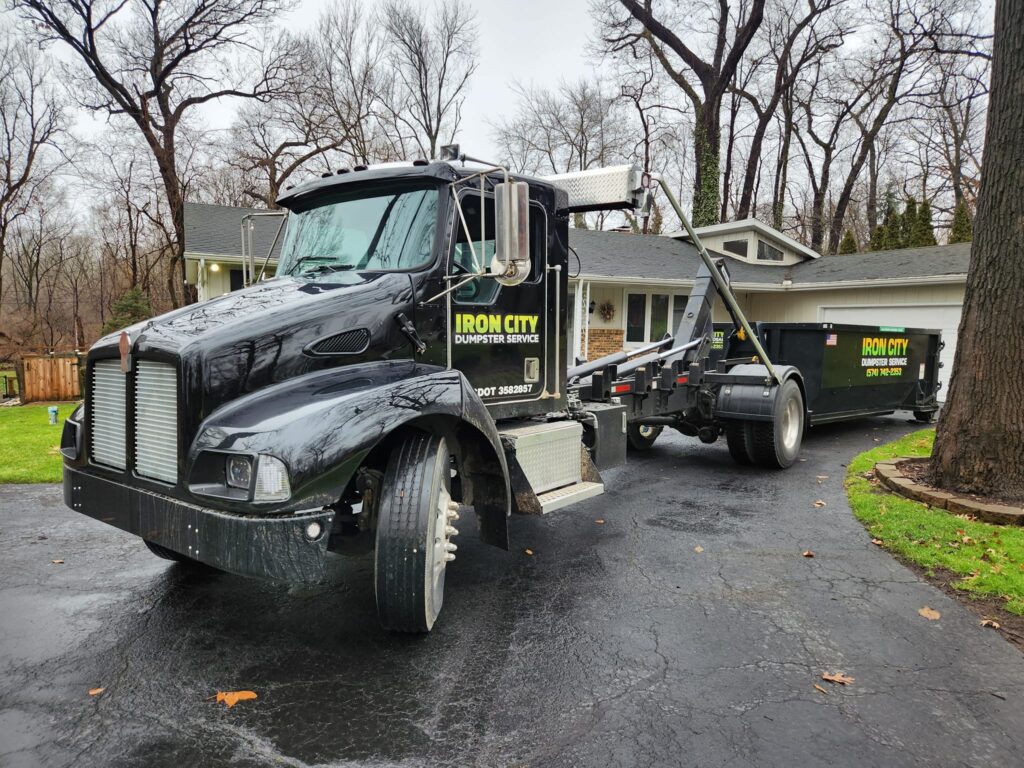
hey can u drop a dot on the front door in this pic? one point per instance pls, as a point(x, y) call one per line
point(498, 333)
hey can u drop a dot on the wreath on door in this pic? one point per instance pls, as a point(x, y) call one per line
point(606, 310)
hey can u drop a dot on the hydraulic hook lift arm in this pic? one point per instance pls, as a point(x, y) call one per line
point(724, 289)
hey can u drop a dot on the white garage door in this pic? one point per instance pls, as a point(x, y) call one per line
point(945, 317)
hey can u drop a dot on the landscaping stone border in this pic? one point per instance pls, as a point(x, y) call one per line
point(890, 475)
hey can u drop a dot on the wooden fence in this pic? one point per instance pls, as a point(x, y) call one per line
point(49, 378)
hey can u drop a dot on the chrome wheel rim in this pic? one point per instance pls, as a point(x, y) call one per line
point(791, 424)
point(446, 513)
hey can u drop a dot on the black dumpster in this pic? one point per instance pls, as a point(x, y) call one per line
point(851, 371)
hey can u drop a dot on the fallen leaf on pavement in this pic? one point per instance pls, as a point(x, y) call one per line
point(96, 691)
point(808, 553)
point(57, 562)
point(698, 549)
point(820, 689)
point(930, 613)
point(599, 521)
point(990, 623)
point(819, 478)
point(877, 542)
point(837, 677)
point(233, 697)
point(528, 551)
point(819, 503)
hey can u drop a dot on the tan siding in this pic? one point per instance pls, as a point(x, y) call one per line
point(802, 306)
point(602, 293)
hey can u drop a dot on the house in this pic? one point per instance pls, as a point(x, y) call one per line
point(214, 260)
point(630, 289)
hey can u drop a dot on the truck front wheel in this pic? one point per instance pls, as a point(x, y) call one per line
point(414, 530)
point(776, 443)
point(641, 437)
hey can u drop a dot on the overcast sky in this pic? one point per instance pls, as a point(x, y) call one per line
point(532, 41)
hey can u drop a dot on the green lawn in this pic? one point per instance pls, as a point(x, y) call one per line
point(988, 558)
point(29, 445)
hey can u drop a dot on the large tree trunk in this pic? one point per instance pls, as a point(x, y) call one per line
point(980, 442)
point(707, 142)
point(871, 204)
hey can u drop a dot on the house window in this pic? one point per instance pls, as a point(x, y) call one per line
point(659, 316)
point(648, 316)
point(766, 252)
point(636, 317)
point(736, 247)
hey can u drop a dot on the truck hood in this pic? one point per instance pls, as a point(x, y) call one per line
point(246, 340)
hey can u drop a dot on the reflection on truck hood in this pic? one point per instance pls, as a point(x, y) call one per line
point(272, 307)
point(248, 339)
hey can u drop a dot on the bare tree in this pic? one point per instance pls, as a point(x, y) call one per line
point(796, 35)
point(155, 62)
point(434, 55)
point(330, 112)
point(703, 79)
point(32, 119)
point(571, 128)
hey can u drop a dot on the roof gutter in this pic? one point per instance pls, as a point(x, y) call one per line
point(834, 285)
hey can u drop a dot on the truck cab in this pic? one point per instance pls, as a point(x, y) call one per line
point(256, 431)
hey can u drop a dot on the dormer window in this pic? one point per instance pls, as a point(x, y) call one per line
point(766, 252)
point(736, 247)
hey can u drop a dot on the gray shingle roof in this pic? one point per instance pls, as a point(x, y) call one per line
point(215, 230)
point(616, 254)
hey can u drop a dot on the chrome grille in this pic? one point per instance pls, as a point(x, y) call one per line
point(107, 414)
point(156, 420)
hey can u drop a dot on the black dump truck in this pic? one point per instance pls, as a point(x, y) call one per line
point(406, 366)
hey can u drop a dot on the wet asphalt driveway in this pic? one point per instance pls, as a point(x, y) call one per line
point(613, 645)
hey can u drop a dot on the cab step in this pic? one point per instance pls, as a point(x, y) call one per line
point(570, 494)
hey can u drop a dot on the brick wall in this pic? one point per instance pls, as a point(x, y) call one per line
point(604, 341)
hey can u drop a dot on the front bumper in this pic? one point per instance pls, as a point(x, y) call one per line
point(274, 548)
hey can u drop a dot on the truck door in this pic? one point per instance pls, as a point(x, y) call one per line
point(498, 334)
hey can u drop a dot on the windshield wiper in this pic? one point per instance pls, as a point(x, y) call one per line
point(318, 267)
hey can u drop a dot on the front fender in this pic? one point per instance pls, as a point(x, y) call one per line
point(323, 425)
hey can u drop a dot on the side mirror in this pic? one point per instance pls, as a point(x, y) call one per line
point(511, 262)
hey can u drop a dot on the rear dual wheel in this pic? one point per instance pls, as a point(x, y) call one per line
point(776, 443)
point(414, 531)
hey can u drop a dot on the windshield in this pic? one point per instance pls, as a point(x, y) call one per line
point(370, 231)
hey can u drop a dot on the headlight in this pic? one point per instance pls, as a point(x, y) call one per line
point(238, 472)
point(271, 480)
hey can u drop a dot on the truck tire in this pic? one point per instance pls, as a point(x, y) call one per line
point(414, 526)
point(740, 439)
point(641, 437)
point(776, 443)
point(170, 554)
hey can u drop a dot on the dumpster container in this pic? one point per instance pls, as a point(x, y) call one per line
point(851, 371)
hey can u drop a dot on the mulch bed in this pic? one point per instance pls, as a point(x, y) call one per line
point(917, 470)
point(907, 477)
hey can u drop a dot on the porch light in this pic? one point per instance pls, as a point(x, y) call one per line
point(591, 307)
point(215, 267)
